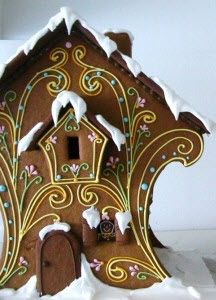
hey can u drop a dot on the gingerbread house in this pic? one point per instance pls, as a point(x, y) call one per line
point(84, 134)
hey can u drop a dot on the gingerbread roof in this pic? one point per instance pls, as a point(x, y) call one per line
point(66, 18)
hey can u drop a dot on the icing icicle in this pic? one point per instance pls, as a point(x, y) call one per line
point(63, 99)
point(123, 218)
point(92, 216)
point(28, 138)
point(117, 136)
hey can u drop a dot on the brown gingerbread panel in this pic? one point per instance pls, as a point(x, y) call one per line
point(125, 178)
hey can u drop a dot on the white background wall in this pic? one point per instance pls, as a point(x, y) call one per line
point(175, 40)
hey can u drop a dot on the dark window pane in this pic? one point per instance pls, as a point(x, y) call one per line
point(73, 147)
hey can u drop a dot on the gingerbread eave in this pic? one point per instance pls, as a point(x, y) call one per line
point(17, 65)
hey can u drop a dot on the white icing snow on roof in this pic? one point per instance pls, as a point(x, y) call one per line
point(89, 287)
point(28, 138)
point(55, 226)
point(63, 99)
point(178, 105)
point(108, 45)
point(123, 218)
point(119, 30)
point(67, 15)
point(117, 136)
point(92, 216)
point(132, 64)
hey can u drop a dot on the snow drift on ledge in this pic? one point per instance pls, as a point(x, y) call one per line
point(88, 287)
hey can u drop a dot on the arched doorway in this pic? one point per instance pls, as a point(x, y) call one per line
point(58, 262)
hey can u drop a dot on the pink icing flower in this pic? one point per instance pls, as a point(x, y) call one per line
point(2, 128)
point(31, 170)
point(144, 128)
point(141, 102)
point(96, 264)
point(53, 139)
point(22, 261)
point(74, 168)
point(113, 161)
point(92, 136)
point(105, 216)
point(2, 105)
point(134, 270)
point(68, 45)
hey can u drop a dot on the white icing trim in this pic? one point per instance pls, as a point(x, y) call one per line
point(63, 99)
point(117, 136)
point(119, 30)
point(123, 218)
point(178, 105)
point(108, 45)
point(67, 15)
point(2, 69)
point(92, 216)
point(28, 138)
point(55, 226)
point(132, 64)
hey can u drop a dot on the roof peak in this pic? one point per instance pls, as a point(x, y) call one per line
point(69, 17)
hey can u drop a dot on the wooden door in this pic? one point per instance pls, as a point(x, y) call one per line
point(58, 262)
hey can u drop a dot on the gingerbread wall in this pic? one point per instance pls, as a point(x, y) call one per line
point(31, 201)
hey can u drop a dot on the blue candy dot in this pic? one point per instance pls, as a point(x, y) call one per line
point(188, 157)
point(9, 253)
point(60, 76)
point(141, 208)
point(152, 169)
point(164, 156)
point(21, 107)
point(127, 134)
point(129, 162)
point(128, 149)
point(92, 175)
point(6, 204)
point(3, 188)
point(99, 73)
point(11, 238)
point(144, 186)
point(10, 221)
point(87, 78)
point(125, 119)
point(45, 74)
point(29, 87)
point(17, 126)
point(121, 99)
point(58, 177)
point(113, 81)
point(174, 153)
point(5, 270)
